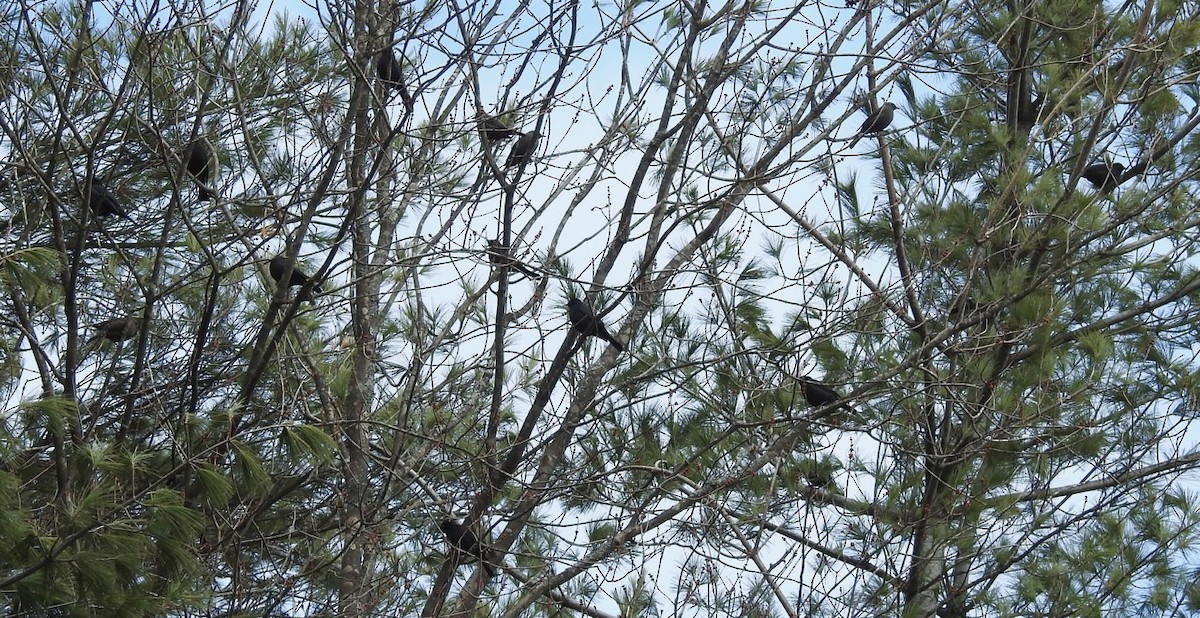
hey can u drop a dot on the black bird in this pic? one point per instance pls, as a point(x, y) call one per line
point(816, 393)
point(278, 267)
point(199, 165)
point(465, 541)
point(391, 73)
point(1104, 176)
point(494, 130)
point(522, 151)
point(102, 202)
point(819, 395)
point(876, 122)
point(116, 329)
point(500, 255)
point(584, 319)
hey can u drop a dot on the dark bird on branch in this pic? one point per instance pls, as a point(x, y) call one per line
point(584, 319)
point(279, 265)
point(116, 329)
point(466, 542)
point(199, 165)
point(500, 255)
point(816, 393)
point(876, 122)
point(522, 151)
point(391, 73)
point(494, 130)
point(819, 395)
point(1104, 176)
point(102, 202)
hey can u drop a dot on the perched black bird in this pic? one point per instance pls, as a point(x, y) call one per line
point(391, 73)
point(522, 151)
point(876, 122)
point(465, 541)
point(278, 267)
point(584, 319)
point(816, 393)
point(494, 130)
point(819, 395)
point(116, 329)
point(199, 165)
point(500, 255)
point(1104, 176)
point(102, 202)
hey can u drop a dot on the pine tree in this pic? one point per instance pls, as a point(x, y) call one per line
point(1010, 346)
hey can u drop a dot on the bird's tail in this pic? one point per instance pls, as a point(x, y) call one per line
point(206, 195)
point(405, 98)
point(311, 295)
point(527, 271)
point(612, 340)
point(854, 142)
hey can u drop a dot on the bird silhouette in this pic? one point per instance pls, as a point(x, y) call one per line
point(500, 255)
point(466, 542)
point(522, 151)
point(583, 319)
point(1104, 176)
point(391, 73)
point(816, 393)
point(199, 165)
point(279, 265)
point(494, 130)
point(876, 122)
point(102, 202)
point(819, 395)
point(115, 330)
